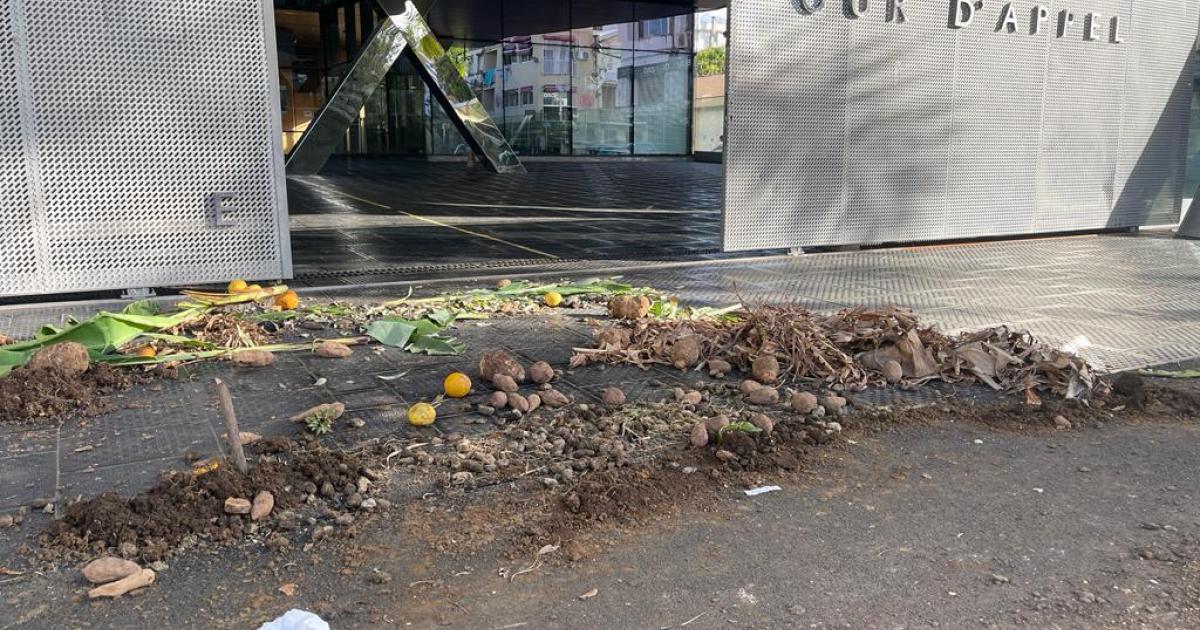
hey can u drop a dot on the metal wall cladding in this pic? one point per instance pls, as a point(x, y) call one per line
point(133, 114)
point(844, 130)
point(19, 264)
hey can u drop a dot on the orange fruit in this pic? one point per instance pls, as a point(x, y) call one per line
point(288, 300)
point(237, 286)
point(457, 385)
point(553, 299)
point(147, 351)
point(421, 415)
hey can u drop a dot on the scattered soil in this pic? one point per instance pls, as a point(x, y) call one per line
point(580, 473)
point(186, 509)
point(1170, 400)
point(31, 395)
point(583, 516)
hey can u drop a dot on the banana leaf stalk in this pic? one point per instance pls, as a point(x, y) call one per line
point(190, 357)
point(525, 289)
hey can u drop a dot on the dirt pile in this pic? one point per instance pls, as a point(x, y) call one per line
point(850, 350)
point(31, 394)
point(557, 447)
point(186, 508)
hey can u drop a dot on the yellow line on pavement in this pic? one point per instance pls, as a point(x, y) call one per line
point(451, 227)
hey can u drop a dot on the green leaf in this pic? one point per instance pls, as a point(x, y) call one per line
point(416, 335)
point(319, 425)
point(10, 359)
point(665, 309)
point(392, 332)
point(100, 335)
point(443, 317)
point(435, 346)
point(141, 307)
point(334, 310)
point(595, 287)
point(741, 427)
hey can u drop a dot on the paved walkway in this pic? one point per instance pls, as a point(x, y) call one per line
point(377, 219)
point(1133, 298)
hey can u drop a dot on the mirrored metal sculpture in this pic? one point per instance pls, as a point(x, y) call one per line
point(405, 31)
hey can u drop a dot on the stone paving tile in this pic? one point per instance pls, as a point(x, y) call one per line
point(93, 447)
point(28, 440)
point(27, 477)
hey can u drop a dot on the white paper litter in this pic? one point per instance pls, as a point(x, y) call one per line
point(296, 619)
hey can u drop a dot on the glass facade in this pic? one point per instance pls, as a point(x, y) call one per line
point(607, 89)
point(1192, 180)
point(708, 93)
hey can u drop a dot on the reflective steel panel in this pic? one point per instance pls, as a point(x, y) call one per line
point(403, 31)
point(452, 91)
point(908, 121)
point(328, 128)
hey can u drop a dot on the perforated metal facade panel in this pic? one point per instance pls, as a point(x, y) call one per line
point(857, 130)
point(119, 122)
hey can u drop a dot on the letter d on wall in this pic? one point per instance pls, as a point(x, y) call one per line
point(961, 13)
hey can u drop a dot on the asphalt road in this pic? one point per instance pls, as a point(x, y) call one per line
point(950, 526)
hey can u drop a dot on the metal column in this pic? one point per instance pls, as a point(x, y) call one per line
point(405, 31)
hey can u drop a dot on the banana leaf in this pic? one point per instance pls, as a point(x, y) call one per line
point(101, 335)
point(394, 332)
point(435, 345)
point(210, 298)
point(10, 359)
point(142, 307)
point(419, 336)
point(128, 360)
point(107, 331)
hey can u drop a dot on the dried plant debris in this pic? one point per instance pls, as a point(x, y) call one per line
point(223, 329)
point(852, 349)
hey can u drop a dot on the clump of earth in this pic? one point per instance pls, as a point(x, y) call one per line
point(31, 394)
point(310, 490)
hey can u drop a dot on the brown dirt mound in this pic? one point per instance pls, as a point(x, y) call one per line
point(30, 395)
point(185, 509)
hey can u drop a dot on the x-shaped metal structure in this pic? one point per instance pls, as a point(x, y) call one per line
point(407, 31)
